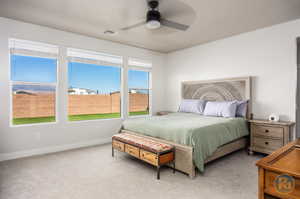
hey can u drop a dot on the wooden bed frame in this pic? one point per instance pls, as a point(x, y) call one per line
point(212, 90)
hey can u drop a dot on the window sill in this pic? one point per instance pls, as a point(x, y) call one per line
point(139, 116)
point(95, 120)
point(67, 122)
point(33, 124)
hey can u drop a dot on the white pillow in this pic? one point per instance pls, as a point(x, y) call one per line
point(221, 109)
point(192, 106)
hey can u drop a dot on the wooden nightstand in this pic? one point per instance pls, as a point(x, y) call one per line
point(267, 136)
point(163, 113)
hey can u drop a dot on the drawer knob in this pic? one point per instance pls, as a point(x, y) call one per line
point(267, 131)
point(266, 143)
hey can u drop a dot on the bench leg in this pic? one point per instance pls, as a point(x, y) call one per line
point(112, 151)
point(174, 169)
point(158, 172)
point(174, 152)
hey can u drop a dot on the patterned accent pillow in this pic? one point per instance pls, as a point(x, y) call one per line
point(192, 106)
point(241, 109)
point(221, 109)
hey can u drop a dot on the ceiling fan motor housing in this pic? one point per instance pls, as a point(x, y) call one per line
point(153, 15)
point(154, 20)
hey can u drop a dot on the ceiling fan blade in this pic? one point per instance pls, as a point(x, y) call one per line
point(133, 26)
point(175, 25)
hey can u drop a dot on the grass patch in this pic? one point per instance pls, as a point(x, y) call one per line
point(139, 113)
point(34, 120)
point(18, 121)
point(94, 116)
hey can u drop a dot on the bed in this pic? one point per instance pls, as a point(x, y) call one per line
point(199, 139)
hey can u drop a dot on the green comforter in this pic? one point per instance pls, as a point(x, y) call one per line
point(204, 134)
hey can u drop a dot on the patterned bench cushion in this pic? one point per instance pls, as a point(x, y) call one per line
point(142, 142)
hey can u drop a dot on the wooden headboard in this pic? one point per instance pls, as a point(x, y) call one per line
point(228, 89)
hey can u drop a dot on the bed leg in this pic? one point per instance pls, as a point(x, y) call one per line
point(174, 167)
point(192, 175)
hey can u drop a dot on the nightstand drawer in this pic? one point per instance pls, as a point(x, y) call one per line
point(267, 143)
point(268, 131)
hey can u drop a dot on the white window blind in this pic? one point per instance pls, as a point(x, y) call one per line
point(139, 64)
point(91, 57)
point(30, 48)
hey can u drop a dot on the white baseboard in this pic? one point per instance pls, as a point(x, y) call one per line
point(46, 150)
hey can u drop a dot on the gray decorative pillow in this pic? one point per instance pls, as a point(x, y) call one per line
point(221, 109)
point(241, 110)
point(192, 106)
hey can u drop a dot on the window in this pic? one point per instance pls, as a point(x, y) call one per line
point(139, 87)
point(94, 85)
point(33, 82)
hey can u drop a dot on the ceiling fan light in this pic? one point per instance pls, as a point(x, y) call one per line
point(153, 24)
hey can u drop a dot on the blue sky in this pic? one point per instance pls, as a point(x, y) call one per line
point(104, 79)
point(33, 69)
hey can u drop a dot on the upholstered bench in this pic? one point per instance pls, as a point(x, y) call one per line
point(150, 151)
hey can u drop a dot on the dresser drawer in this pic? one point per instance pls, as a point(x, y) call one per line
point(118, 145)
point(149, 157)
point(270, 183)
point(267, 143)
point(134, 151)
point(267, 131)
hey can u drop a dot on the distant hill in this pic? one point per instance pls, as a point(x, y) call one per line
point(34, 88)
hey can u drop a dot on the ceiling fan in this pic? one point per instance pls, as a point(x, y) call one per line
point(155, 21)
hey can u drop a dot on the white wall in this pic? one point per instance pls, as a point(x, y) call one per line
point(268, 55)
point(22, 141)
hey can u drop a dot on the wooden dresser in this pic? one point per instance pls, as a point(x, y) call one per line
point(267, 136)
point(279, 173)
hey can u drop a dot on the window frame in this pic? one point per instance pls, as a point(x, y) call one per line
point(145, 69)
point(60, 55)
point(11, 82)
point(121, 66)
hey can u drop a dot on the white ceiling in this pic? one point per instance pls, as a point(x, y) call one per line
point(209, 19)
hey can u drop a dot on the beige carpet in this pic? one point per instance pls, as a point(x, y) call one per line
point(91, 173)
